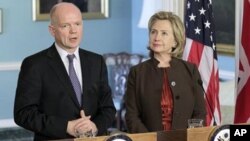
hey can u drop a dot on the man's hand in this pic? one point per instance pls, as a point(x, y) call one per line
point(86, 124)
point(81, 125)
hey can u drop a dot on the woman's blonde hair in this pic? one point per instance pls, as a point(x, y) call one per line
point(178, 31)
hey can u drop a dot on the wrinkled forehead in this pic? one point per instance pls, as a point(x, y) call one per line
point(66, 11)
point(66, 8)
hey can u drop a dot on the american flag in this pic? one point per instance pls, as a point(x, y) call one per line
point(242, 108)
point(200, 50)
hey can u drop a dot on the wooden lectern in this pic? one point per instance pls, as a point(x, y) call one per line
point(192, 134)
point(152, 136)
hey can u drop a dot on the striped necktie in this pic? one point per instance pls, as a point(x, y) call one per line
point(74, 80)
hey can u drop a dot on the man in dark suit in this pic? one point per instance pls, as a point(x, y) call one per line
point(46, 101)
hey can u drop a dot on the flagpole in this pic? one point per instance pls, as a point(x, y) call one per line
point(238, 31)
point(242, 110)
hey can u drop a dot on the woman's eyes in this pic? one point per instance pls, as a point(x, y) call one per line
point(164, 33)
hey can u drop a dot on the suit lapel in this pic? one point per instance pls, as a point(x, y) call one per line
point(171, 72)
point(85, 66)
point(59, 68)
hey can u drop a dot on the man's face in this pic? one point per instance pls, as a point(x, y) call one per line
point(68, 28)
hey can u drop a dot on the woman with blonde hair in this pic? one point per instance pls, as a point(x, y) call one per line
point(164, 91)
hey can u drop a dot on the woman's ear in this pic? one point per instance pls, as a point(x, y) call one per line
point(174, 45)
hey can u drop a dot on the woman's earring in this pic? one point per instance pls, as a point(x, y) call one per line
point(175, 44)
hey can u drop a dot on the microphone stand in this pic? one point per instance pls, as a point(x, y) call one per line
point(206, 99)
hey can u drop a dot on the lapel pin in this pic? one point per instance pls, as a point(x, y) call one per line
point(173, 83)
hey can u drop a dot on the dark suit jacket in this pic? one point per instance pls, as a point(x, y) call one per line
point(144, 90)
point(45, 100)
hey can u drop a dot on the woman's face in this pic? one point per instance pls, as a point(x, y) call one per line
point(161, 37)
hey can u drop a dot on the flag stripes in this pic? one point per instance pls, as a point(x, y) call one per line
point(200, 50)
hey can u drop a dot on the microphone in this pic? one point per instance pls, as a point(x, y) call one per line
point(207, 100)
point(118, 135)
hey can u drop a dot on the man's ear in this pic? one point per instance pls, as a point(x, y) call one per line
point(52, 30)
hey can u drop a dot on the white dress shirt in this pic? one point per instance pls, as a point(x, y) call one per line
point(77, 63)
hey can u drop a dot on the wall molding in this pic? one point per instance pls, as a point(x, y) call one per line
point(7, 123)
point(10, 66)
point(226, 75)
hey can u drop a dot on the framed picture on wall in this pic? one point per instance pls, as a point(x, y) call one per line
point(91, 9)
point(1, 20)
point(224, 19)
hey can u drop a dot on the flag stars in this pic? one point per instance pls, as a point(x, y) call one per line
point(207, 24)
point(197, 30)
point(211, 37)
point(192, 17)
point(202, 11)
point(210, 1)
point(213, 46)
point(188, 5)
point(199, 17)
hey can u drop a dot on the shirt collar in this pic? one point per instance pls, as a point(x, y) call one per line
point(63, 53)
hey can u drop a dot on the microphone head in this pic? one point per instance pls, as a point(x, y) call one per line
point(117, 135)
